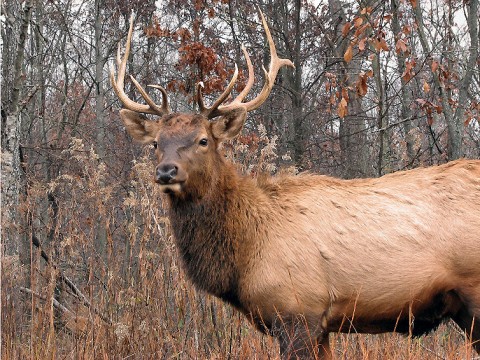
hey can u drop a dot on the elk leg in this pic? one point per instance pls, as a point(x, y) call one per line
point(476, 335)
point(324, 351)
point(468, 317)
point(470, 324)
point(475, 329)
point(300, 340)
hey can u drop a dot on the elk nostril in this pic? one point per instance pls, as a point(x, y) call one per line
point(165, 174)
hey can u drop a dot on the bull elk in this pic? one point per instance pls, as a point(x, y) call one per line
point(302, 256)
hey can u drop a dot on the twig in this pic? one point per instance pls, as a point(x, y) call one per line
point(432, 133)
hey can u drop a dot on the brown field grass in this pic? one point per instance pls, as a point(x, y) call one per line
point(164, 317)
point(138, 286)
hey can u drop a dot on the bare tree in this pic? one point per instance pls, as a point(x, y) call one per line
point(352, 133)
point(13, 180)
point(453, 109)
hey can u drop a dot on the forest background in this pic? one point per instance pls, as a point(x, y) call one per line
point(89, 267)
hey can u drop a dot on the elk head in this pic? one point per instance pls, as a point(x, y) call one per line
point(187, 144)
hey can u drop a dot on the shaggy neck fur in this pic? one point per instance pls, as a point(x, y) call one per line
point(214, 230)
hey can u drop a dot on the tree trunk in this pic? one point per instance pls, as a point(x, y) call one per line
point(454, 119)
point(381, 116)
point(297, 135)
point(13, 183)
point(405, 91)
point(456, 129)
point(352, 129)
point(101, 234)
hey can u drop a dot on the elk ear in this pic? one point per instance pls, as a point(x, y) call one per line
point(138, 126)
point(229, 125)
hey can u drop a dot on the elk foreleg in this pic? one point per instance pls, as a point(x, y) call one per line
point(468, 317)
point(325, 350)
point(301, 339)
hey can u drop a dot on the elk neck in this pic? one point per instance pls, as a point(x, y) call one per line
point(217, 232)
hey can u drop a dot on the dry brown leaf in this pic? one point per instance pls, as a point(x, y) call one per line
point(358, 22)
point(426, 87)
point(400, 46)
point(346, 29)
point(342, 110)
point(348, 54)
point(361, 44)
point(362, 85)
point(383, 44)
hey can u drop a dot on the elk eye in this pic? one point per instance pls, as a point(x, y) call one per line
point(203, 142)
point(155, 144)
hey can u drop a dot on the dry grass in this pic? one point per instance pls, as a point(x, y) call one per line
point(137, 282)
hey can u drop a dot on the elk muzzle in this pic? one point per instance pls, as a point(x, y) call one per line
point(170, 177)
point(166, 173)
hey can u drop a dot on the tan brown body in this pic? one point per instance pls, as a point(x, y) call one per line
point(370, 247)
point(306, 255)
point(314, 254)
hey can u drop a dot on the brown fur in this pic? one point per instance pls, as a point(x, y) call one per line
point(306, 255)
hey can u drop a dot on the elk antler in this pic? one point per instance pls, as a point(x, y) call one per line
point(118, 85)
point(275, 64)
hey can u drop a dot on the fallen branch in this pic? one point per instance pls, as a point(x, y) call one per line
point(78, 294)
point(55, 302)
point(75, 323)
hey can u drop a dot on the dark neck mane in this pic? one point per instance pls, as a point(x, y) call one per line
point(210, 231)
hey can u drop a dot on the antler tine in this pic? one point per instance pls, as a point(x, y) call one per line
point(164, 109)
point(275, 64)
point(211, 112)
point(201, 103)
point(119, 84)
point(251, 77)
